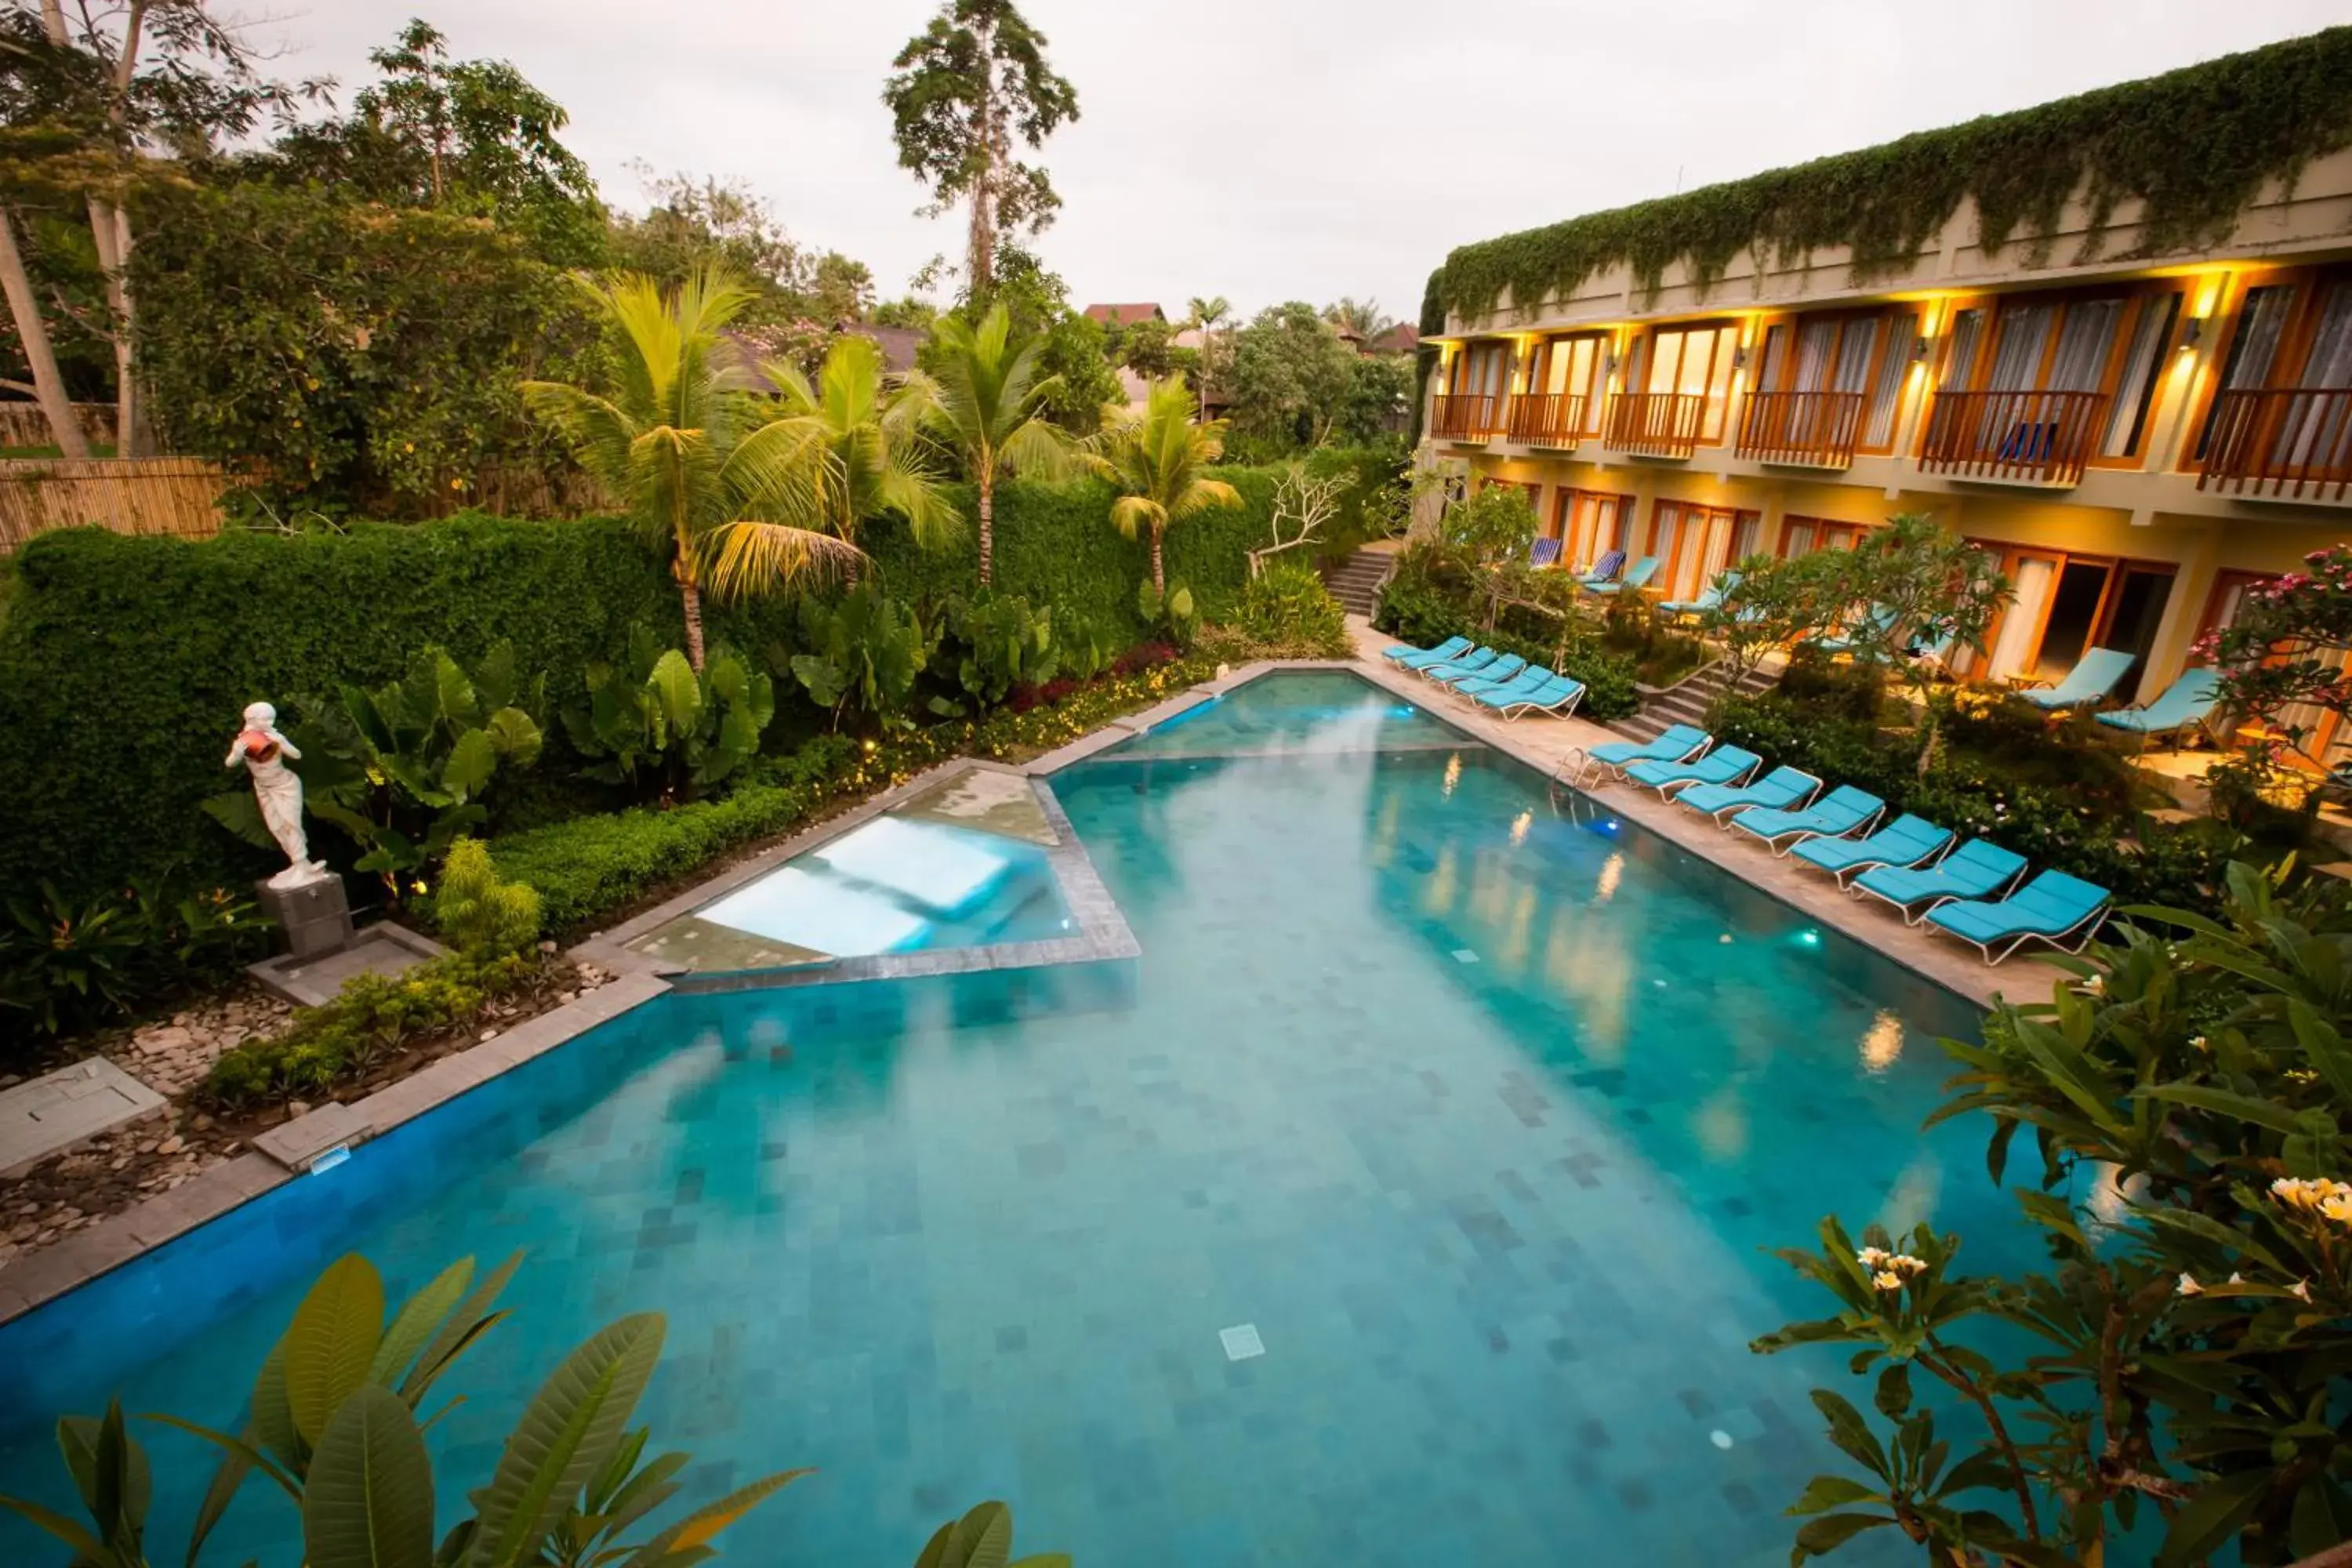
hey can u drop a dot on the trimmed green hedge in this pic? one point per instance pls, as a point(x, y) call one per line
point(124, 662)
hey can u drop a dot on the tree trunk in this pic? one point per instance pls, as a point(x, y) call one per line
point(690, 599)
point(1159, 576)
point(33, 333)
point(981, 261)
point(987, 524)
point(112, 225)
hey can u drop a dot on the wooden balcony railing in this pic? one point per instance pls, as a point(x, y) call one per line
point(1656, 424)
point(1814, 428)
point(1465, 416)
point(2023, 437)
point(2281, 444)
point(1548, 418)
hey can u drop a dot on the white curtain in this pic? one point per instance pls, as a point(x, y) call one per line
point(1814, 344)
point(1887, 397)
point(2133, 387)
point(2023, 619)
point(1960, 358)
point(2017, 352)
point(2319, 429)
point(1854, 349)
point(2084, 345)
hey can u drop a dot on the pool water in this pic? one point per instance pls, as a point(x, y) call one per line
point(1476, 1105)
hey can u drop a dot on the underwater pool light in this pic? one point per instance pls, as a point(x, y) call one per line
point(1810, 938)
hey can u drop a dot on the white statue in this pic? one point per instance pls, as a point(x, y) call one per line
point(264, 751)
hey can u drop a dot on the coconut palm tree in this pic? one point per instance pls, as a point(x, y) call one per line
point(1157, 455)
point(991, 407)
point(733, 493)
point(1203, 317)
point(869, 427)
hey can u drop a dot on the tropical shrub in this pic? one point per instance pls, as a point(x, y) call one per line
point(1169, 614)
point(2185, 1345)
point(402, 768)
point(866, 647)
point(1004, 643)
point(664, 727)
point(483, 917)
point(1286, 604)
point(1432, 597)
point(67, 965)
point(333, 1422)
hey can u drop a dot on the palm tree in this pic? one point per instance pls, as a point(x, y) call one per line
point(869, 427)
point(991, 406)
point(1204, 316)
point(1156, 455)
point(731, 495)
point(1364, 318)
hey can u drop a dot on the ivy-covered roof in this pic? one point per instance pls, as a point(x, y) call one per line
point(2195, 145)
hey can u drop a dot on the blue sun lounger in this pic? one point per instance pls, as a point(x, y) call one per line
point(1906, 841)
point(1977, 869)
point(1636, 578)
point(1501, 668)
point(1543, 553)
point(1531, 677)
point(1678, 744)
point(1605, 568)
point(1843, 810)
point(1870, 627)
point(1413, 657)
point(1461, 665)
point(1723, 765)
point(1781, 787)
point(2086, 685)
point(2062, 911)
point(1710, 599)
point(1557, 697)
point(2187, 703)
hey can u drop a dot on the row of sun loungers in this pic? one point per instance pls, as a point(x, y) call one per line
point(1967, 891)
point(1503, 681)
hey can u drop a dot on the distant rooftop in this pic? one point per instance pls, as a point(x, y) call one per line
point(1125, 315)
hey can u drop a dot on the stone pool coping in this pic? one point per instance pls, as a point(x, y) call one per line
point(285, 1152)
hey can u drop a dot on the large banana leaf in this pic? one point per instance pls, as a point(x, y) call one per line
point(574, 1423)
point(332, 1343)
point(369, 1503)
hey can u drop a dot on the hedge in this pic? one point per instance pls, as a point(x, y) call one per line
point(124, 662)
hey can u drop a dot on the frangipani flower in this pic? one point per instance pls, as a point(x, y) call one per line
point(1885, 1280)
point(1908, 1264)
point(2302, 1290)
point(1873, 1258)
point(2189, 1287)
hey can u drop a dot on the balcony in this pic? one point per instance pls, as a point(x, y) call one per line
point(2281, 444)
point(1806, 429)
point(1548, 418)
point(2014, 437)
point(1462, 417)
point(1656, 424)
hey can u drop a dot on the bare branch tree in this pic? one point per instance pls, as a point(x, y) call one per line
point(1303, 504)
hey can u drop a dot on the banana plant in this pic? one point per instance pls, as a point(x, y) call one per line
point(665, 729)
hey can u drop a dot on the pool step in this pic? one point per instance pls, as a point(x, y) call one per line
point(1687, 703)
point(1356, 581)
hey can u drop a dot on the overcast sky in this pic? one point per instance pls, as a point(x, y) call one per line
point(1267, 150)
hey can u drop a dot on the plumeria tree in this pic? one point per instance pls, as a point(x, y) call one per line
point(2186, 1340)
point(2289, 644)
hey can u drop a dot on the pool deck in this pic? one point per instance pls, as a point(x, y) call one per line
point(284, 1152)
point(1541, 743)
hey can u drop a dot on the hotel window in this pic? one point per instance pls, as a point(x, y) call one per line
point(2322, 730)
point(1693, 545)
point(1590, 524)
point(1837, 353)
point(1803, 535)
point(1695, 362)
point(1570, 367)
point(1479, 371)
point(2293, 337)
point(2106, 345)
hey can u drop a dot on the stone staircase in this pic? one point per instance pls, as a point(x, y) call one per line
point(1688, 702)
point(1356, 581)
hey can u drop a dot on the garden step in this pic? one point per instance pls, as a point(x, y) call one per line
point(1356, 581)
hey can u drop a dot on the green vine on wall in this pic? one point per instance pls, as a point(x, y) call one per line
point(2196, 145)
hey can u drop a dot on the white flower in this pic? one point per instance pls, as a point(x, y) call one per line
point(2236, 1277)
point(2197, 1043)
point(2189, 1287)
point(2096, 985)
point(1872, 1257)
point(1908, 1264)
point(2302, 1289)
point(1887, 1282)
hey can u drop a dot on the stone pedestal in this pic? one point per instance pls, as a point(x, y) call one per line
point(315, 916)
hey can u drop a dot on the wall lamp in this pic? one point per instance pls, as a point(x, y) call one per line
point(1921, 349)
point(2191, 331)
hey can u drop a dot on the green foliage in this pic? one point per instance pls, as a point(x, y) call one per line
point(1286, 604)
point(589, 868)
point(2194, 146)
point(67, 965)
point(401, 769)
point(2187, 1345)
point(1006, 644)
point(1433, 596)
point(483, 917)
point(982, 1538)
point(865, 647)
point(1292, 376)
point(1489, 529)
point(347, 356)
point(666, 729)
point(334, 1426)
point(1172, 616)
point(2286, 646)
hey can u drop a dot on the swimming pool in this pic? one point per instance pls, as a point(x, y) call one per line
point(1475, 1104)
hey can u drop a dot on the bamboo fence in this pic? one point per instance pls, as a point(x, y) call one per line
point(24, 424)
point(175, 496)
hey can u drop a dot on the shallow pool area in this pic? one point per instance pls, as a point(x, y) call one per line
point(1408, 1200)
